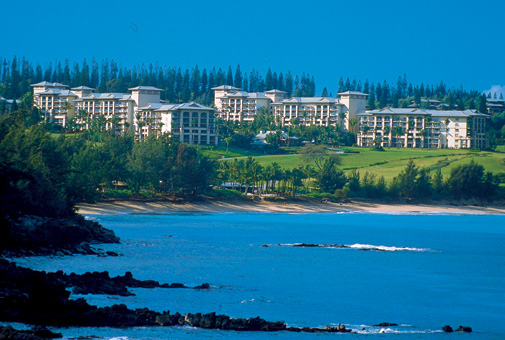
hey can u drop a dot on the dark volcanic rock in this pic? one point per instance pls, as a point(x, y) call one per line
point(464, 329)
point(41, 299)
point(35, 235)
point(38, 333)
point(43, 332)
point(385, 324)
point(202, 286)
point(447, 329)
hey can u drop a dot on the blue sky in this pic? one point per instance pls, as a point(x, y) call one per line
point(460, 42)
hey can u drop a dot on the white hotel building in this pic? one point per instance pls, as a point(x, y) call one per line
point(125, 112)
point(236, 105)
point(420, 128)
point(188, 122)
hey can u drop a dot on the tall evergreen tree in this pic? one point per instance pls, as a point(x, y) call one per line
point(289, 84)
point(366, 87)
point(95, 78)
point(341, 87)
point(238, 77)
point(347, 85)
point(229, 77)
point(269, 83)
point(205, 81)
point(195, 82)
point(371, 98)
point(280, 82)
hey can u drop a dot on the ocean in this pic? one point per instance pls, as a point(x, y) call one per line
point(421, 271)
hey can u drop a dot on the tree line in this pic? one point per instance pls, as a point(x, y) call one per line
point(179, 85)
point(183, 85)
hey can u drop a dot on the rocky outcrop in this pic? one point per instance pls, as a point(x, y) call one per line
point(91, 283)
point(447, 329)
point(38, 298)
point(464, 329)
point(37, 333)
point(386, 324)
point(35, 235)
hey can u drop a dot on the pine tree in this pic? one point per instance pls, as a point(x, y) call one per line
point(378, 93)
point(95, 78)
point(85, 81)
point(281, 82)
point(195, 82)
point(238, 77)
point(371, 98)
point(229, 77)
point(205, 81)
point(347, 85)
point(324, 93)
point(38, 74)
point(482, 104)
point(212, 79)
point(245, 84)
point(366, 87)
point(354, 84)
point(178, 82)
point(269, 80)
point(47, 73)
point(275, 84)
point(341, 87)
point(289, 84)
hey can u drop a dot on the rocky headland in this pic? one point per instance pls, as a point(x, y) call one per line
point(30, 235)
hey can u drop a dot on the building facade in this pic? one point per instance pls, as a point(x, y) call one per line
point(495, 105)
point(421, 128)
point(241, 106)
point(109, 111)
point(188, 122)
point(141, 111)
point(236, 105)
point(54, 100)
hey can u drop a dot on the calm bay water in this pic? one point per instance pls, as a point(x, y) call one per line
point(433, 270)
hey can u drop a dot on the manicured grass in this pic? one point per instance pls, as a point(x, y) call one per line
point(390, 162)
point(217, 152)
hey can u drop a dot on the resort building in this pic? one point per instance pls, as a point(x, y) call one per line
point(111, 111)
point(188, 122)
point(54, 100)
point(421, 128)
point(141, 111)
point(236, 105)
point(495, 105)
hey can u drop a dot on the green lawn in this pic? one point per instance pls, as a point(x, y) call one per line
point(390, 162)
point(217, 152)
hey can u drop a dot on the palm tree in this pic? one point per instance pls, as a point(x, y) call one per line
point(423, 134)
point(309, 172)
point(68, 108)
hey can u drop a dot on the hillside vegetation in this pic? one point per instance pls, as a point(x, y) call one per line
point(390, 162)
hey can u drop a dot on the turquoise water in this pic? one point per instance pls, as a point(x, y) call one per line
point(434, 270)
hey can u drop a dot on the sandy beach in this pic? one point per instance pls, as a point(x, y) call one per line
point(161, 207)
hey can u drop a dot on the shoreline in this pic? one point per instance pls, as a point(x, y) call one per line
point(292, 207)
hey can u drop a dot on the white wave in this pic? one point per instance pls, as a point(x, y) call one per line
point(384, 248)
point(358, 246)
point(388, 330)
point(245, 301)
